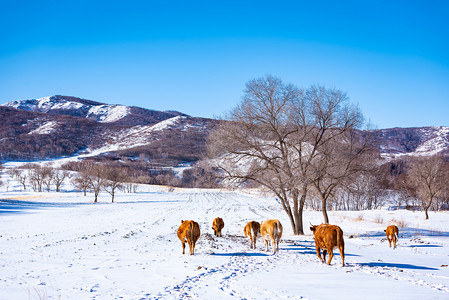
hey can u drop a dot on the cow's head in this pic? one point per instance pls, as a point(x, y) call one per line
point(313, 227)
point(182, 221)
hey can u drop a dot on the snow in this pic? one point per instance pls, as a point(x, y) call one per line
point(435, 144)
point(124, 139)
point(108, 113)
point(102, 113)
point(63, 246)
point(135, 136)
point(46, 128)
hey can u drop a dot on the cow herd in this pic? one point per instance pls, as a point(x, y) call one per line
point(326, 236)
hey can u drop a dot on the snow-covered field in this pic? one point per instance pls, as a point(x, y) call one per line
point(62, 246)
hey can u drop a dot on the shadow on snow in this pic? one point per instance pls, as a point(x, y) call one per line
point(311, 250)
point(11, 206)
point(395, 265)
point(240, 254)
point(408, 233)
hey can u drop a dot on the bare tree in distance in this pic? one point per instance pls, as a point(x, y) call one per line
point(115, 177)
point(17, 174)
point(94, 174)
point(339, 163)
point(275, 136)
point(47, 176)
point(429, 177)
point(59, 176)
point(35, 176)
point(81, 182)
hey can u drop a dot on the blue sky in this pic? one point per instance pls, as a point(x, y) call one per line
point(391, 57)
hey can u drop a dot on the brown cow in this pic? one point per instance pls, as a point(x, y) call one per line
point(189, 232)
point(392, 232)
point(327, 237)
point(271, 229)
point(217, 226)
point(251, 230)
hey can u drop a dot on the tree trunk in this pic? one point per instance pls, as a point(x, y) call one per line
point(323, 203)
point(292, 222)
point(299, 229)
point(426, 208)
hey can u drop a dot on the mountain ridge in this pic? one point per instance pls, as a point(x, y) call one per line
point(64, 125)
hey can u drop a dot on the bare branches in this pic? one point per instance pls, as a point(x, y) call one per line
point(429, 177)
point(286, 139)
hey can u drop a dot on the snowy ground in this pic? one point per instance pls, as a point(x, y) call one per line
point(62, 246)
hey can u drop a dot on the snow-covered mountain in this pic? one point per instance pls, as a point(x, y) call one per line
point(422, 141)
point(100, 112)
point(61, 126)
point(57, 126)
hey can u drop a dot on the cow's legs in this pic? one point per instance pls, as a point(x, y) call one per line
point(273, 245)
point(193, 247)
point(331, 255)
point(190, 247)
point(183, 247)
point(318, 253)
point(389, 241)
point(266, 243)
point(342, 255)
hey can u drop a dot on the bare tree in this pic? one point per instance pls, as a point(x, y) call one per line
point(81, 182)
point(339, 163)
point(94, 174)
point(275, 136)
point(35, 176)
point(59, 176)
point(115, 177)
point(428, 176)
point(20, 176)
point(47, 176)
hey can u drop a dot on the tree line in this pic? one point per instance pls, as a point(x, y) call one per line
point(305, 146)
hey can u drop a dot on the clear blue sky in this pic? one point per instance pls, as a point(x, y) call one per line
point(391, 57)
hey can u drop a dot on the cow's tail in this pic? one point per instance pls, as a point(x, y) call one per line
point(254, 231)
point(341, 245)
point(191, 230)
point(276, 231)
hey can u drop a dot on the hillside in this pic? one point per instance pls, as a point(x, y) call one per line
point(100, 112)
point(56, 126)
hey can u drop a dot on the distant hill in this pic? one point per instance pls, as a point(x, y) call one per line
point(100, 112)
point(56, 126)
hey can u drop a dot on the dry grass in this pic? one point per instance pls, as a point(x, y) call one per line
point(399, 223)
point(378, 219)
point(359, 218)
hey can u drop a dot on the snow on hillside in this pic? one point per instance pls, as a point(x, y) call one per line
point(437, 143)
point(108, 113)
point(62, 246)
point(124, 139)
point(44, 104)
point(102, 112)
point(45, 128)
point(135, 136)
